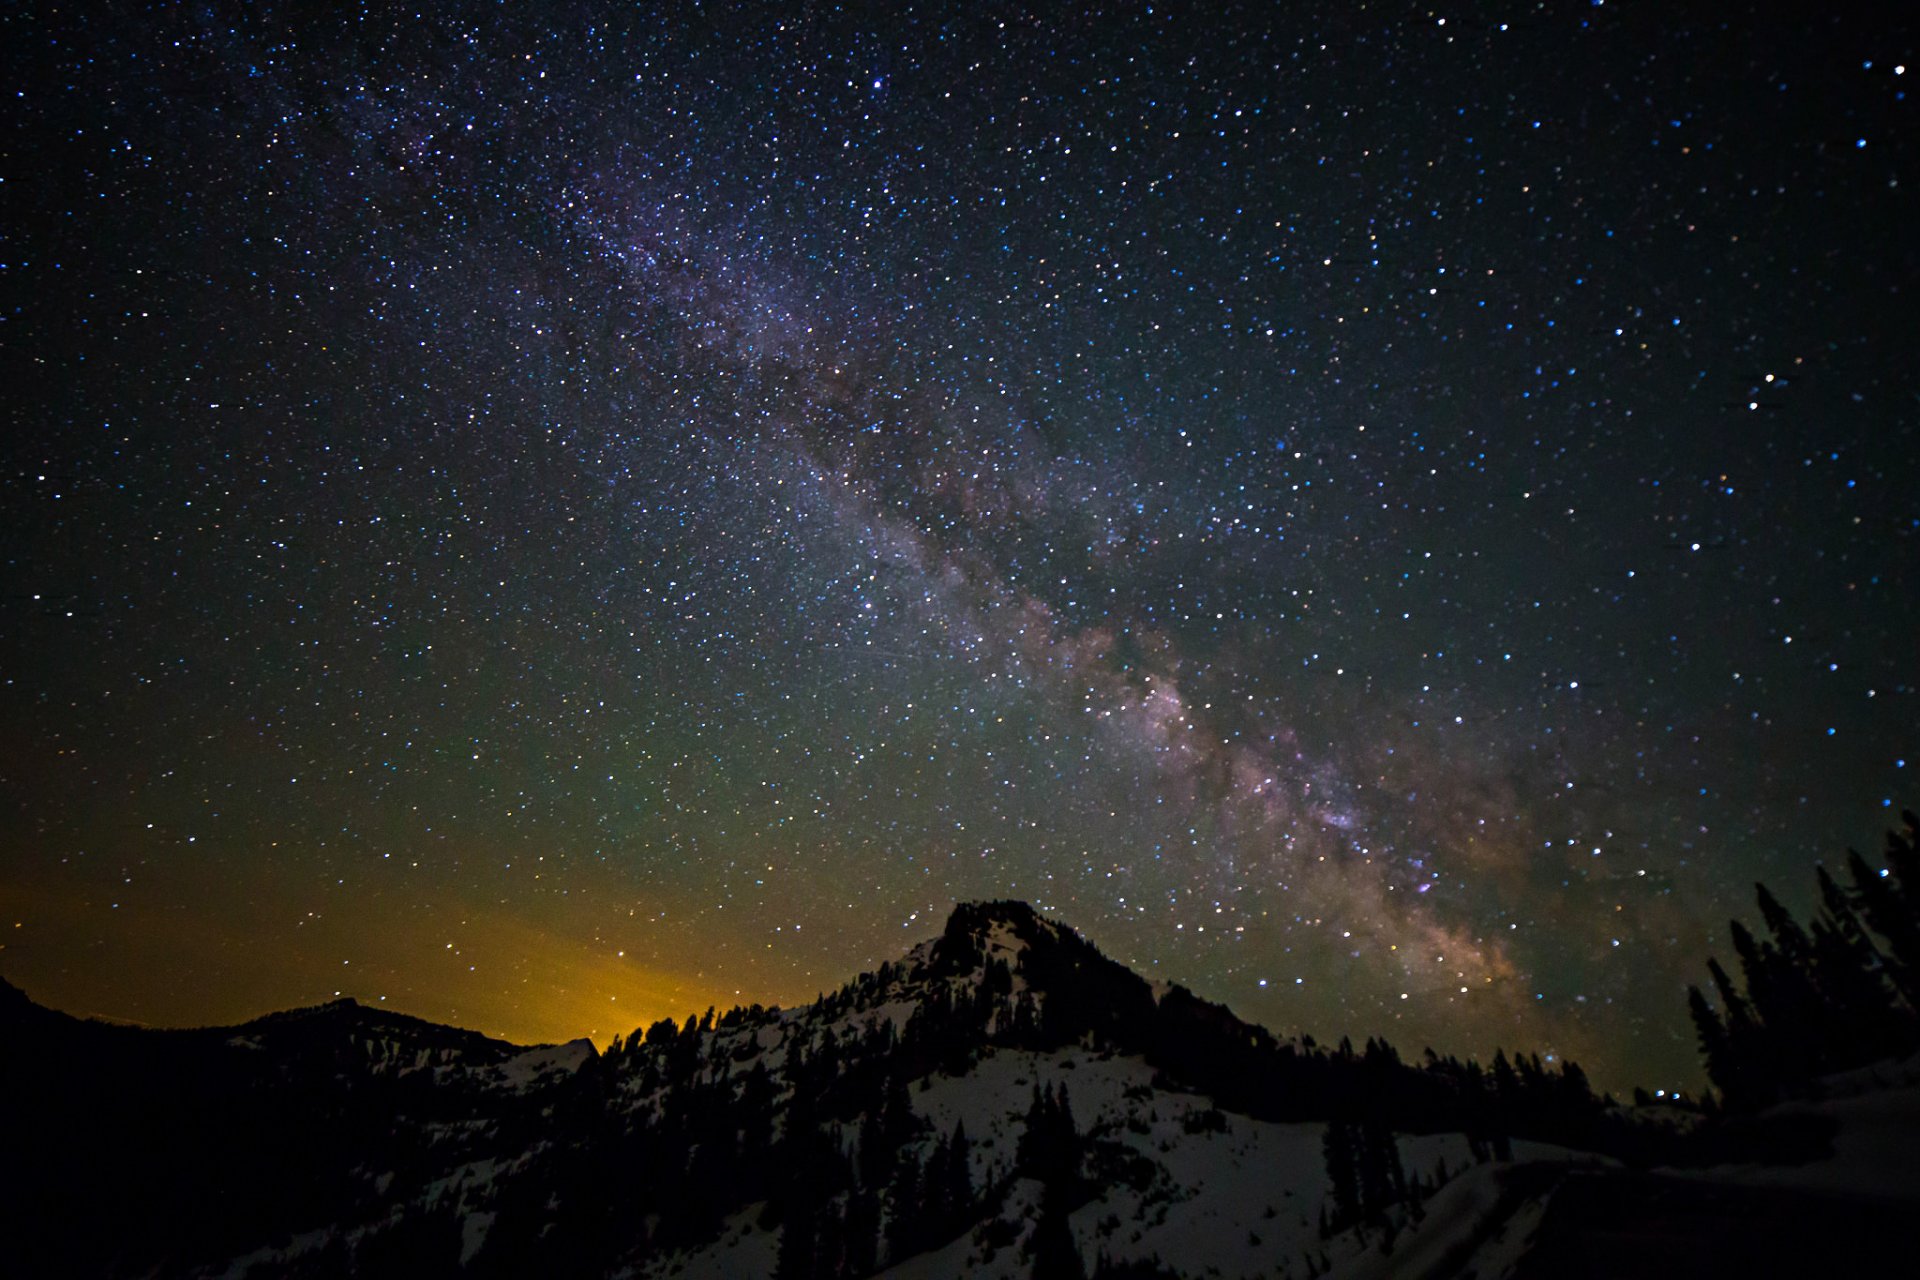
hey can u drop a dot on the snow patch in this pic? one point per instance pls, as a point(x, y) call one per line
point(523, 1069)
point(473, 1234)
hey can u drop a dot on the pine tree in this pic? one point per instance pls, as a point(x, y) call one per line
point(1712, 1034)
point(874, 1156)
point(898, 1123)
point(830, 1253)
point(1844, 920)
point(906, 1203)
point(1788, 936)
point(862, 1232)
point(1343, 1175)
point(1731, 1000)
point(1055, 1255)
point(1848, 970)
point(1903, 859)
point(1902, 899)
point(756, 1107)
point(798, 1244)
point(1836, 994)
point(1050, 1144)
point(1880, 904)
point(951, 1195)
point(1381, 1179)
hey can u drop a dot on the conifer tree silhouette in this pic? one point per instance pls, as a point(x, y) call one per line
point(1835, 994)
point(1343, 1173)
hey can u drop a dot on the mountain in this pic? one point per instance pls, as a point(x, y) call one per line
point(1002, 1101)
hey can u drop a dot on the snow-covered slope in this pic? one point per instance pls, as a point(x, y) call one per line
point(1002, 1101)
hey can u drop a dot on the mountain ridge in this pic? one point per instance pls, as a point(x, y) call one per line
point(977, 933)
point(1004, 1099)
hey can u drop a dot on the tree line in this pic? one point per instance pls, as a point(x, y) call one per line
point(1839, 992)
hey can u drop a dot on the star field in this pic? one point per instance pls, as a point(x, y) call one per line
point(556, 516)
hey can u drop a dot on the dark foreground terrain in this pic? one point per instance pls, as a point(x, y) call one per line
point(1003, 1101)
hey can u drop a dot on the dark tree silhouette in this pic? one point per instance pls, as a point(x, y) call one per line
point(1343, 1175)
point(1836, 994)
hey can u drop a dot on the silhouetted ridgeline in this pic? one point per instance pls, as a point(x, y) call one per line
point(968, 1098)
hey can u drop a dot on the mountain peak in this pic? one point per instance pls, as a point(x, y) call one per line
point(1007, 909)
point(1003, 929)
point(1008, 914)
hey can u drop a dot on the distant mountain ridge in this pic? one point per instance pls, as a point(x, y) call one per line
point(1003, 1100)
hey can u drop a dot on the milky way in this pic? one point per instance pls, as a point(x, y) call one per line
point(558, 516)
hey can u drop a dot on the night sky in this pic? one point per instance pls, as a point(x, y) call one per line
point(551, 516)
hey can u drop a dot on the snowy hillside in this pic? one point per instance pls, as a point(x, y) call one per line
point(1002, 1101)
